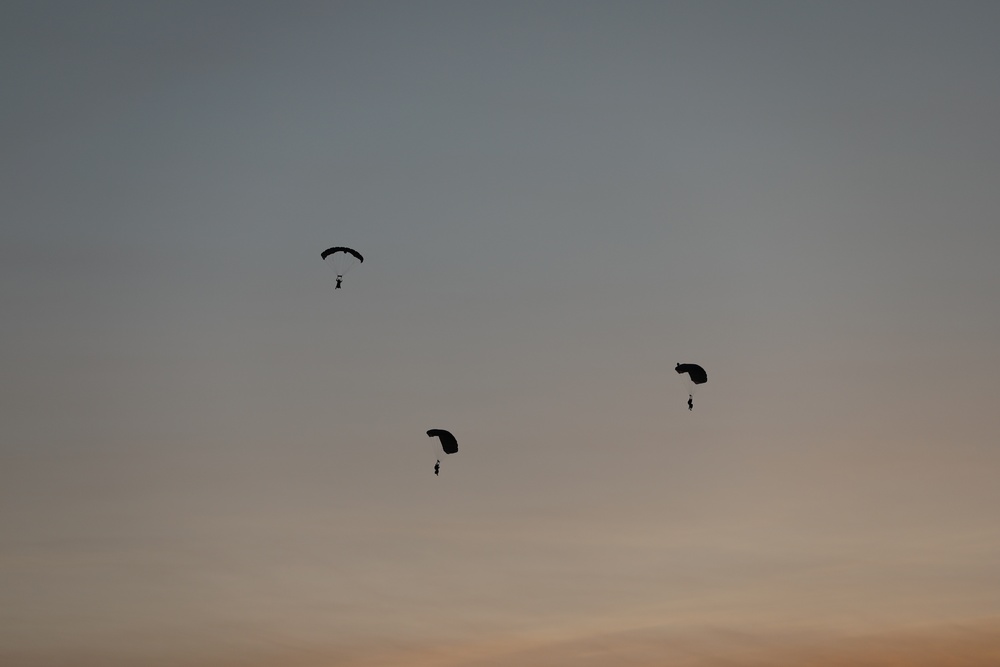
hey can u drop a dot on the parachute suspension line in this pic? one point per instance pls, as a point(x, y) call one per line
point(341, 265)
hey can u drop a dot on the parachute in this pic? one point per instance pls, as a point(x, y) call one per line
point(350, 251)
point(448, 442)
point(694, 371)
point(696, 375)
point(341, 260)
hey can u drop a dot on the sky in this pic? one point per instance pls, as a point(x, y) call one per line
point(209, 457)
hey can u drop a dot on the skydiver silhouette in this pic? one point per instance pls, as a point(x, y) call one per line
point(437, 467)
point(690, 401)
point(339, 280)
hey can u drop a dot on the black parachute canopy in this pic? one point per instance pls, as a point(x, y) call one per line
point(349, 251)
point(448, 442)
point(694, 371)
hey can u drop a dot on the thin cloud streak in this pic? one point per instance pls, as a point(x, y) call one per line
point(970, 643)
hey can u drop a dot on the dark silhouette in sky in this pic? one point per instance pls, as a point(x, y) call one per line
point(437, 467)
point(448, 442)
point(694, 371)
point(349, 251)
point(341, 259)
point(697, 375)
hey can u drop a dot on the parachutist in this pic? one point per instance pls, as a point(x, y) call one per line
point(697, 375)
point(448, 444)
point(341, 259)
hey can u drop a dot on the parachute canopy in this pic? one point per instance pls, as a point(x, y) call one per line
point(350, 251)
point(448, 442)
point(694, 371)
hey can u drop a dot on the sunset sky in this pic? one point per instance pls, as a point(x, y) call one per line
point(209, 457)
